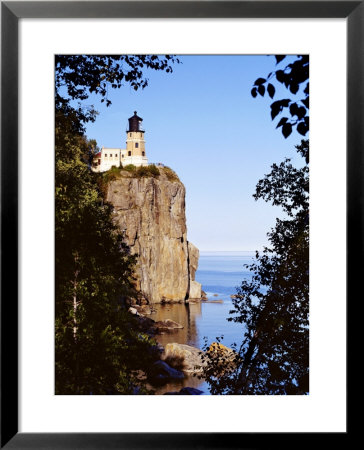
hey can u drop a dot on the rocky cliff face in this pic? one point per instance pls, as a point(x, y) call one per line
point(150, 211)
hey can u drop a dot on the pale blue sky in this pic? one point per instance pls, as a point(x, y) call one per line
point(202, 121)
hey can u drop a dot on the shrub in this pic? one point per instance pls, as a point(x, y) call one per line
point(142, 171)
point(170, 174)
point(153, 170)
point(111, 174)
point(147, 171)
point(130, 168)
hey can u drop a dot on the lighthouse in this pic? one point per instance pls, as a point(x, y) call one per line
point(133, 154)
point(135, 143)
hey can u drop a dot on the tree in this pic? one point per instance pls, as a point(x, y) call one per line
point(99, 347)
point(292, 77)
point(273, 306)
point(78, 76)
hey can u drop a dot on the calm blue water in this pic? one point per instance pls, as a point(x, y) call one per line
point(219, 273)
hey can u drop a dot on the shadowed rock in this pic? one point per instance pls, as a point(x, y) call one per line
point(185, 391)
point(160, 372)
point(186, 357)
point(167, 325)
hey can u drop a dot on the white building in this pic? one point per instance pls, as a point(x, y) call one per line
point(134, 153)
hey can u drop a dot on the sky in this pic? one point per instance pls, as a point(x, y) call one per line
point(202, 121)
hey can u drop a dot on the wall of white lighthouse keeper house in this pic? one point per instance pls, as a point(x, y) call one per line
point(134, 153)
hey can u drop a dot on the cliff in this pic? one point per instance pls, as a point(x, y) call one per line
point(150, 211)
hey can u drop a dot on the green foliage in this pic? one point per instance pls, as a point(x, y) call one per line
point(273, 307)
point(140, 172)
point(153, 170)
point(147, 171)
point(112, 174)
point(130, 168)
point(98, 348)
point(292, 77)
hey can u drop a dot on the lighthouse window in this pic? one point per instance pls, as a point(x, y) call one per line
point(136, 145)
point(116, 155)
point(129, 153)
point(143, 153)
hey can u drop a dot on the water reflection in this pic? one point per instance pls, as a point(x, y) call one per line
point(219, 273)
point(186, 315)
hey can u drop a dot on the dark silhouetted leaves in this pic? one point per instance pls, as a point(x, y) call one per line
point(286, 129)
point(273, 305)
point(254, 92)
point(279, 58)
point(282, 122)
point(306, 102)
point(280, 76)
point(277, 107)
point(291, 77)
point(261, 90)
point(260, 81)
point(293, 88)
point(80, 75)
point(98, 348)
point(271, 90)
point(302, 128)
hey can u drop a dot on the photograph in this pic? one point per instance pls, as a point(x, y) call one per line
point(181, 224)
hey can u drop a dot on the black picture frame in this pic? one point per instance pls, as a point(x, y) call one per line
point(11, 12)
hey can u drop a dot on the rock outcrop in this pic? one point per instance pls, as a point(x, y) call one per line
point(185, 391)
point(150, 212)
point(188, 358)
point(160, 372)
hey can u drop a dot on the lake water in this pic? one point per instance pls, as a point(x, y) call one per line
point(219, 273)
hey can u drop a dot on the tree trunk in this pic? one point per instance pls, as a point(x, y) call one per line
point(74, 299)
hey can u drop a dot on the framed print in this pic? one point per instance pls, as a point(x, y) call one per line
point(215, 44)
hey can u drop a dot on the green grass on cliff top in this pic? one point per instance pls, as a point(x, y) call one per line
point(151, 171)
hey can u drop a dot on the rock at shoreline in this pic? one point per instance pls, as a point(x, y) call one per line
point(195, 290)
point(166, 326)
point(185, 357)
point(160, 373)
point(227, 357)
point(144, 310)
point(145, 323)
point(185, 391)
point(193, 256)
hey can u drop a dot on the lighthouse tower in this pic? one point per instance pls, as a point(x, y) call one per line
point(135, 143)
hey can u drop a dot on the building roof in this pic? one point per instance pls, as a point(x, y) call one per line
point(135, 122)
point(135, 116)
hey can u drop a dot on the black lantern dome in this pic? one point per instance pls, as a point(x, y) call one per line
point(135, 123)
